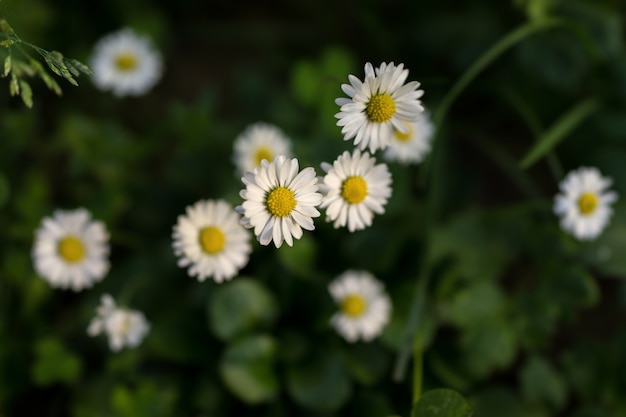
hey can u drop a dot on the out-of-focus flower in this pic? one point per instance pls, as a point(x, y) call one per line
point(378, 106)
point(280, 200)
point(583, 203)
point(354, 188)
point(126, 63)
point(364, 306)
point(122, 326)
point(71, 250)
point(210, 241)
point(413, 146)
point(257, 142)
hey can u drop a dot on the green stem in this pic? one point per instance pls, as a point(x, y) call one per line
point(559, 130)
point(418, 368)
point(488, 57)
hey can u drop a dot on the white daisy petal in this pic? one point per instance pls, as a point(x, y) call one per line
point(376, 105)
point(355, 188)
point(71, 250)
point(583, 204)
point(257, 142)
point(215, 232)
point(122, 326)
point(364, 306)
point(125, 63)
point(287, 204)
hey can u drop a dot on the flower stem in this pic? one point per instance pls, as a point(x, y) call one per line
point(418, 367)
point(489, 56)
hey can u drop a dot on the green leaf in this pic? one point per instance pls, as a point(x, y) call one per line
point(7, 66)
point(300, 258)
point(541, 384)
point(561, 128)
point(7, 43)
point(14, 85)
point(476, 303)
point(6, 28)
point(320, 384)
point(53, 363)
point(240, 306)
point(305, 82)
point(26, 93)
point(247, 369)
point(441, 403)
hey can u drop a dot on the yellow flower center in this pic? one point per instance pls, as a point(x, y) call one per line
point(126, 62)
point(587, 203)
point(212, 240)
point(353, 305)
point(71, 249)
point(380, 108)
point(354, 189)
point(404, 137)
point(280, 201)
point(261, 154)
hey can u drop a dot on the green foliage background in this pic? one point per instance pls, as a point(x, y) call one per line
point(517, 316)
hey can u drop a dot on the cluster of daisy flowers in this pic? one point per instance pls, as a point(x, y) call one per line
point(382, 112)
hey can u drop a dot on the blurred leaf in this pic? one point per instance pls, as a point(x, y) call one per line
point(441, 403)
point(247, 369)
point(240, 306)
point(319, 384)
point(147, 400)
point(475, 304)
point(4, 189)
point(305, 82)
point(498, 402)
point(489, 346)
point(541, 384)
point(53, 363)
point(300, 258)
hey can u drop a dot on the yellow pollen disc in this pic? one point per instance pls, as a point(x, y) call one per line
point(126, 62)
point(380, 108)
point(280, 201)
point(354, 189)
point(353, 305)
point(587, 203)
point(212, 240)
point(71, 249)
point(404, 137)
point(261, 154)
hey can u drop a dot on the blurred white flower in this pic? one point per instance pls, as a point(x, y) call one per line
point(257, 142)
point(280, 200)
point(71, 250)
point(584, 204)
point(354, 188)
point(210, 241)
point(125, 63)
point(364, 306)
point(411, 147)
point(378, 105)
point(123, 327)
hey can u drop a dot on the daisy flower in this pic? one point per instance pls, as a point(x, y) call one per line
point(257, 142)
point(71, 250)
point(279, 201)
point(411, 147)
point(378, 106)
point(354, 188)
point(126, 63)
point(583, 203)
point(364, 306)
point(122, 326)
point(210, 241)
